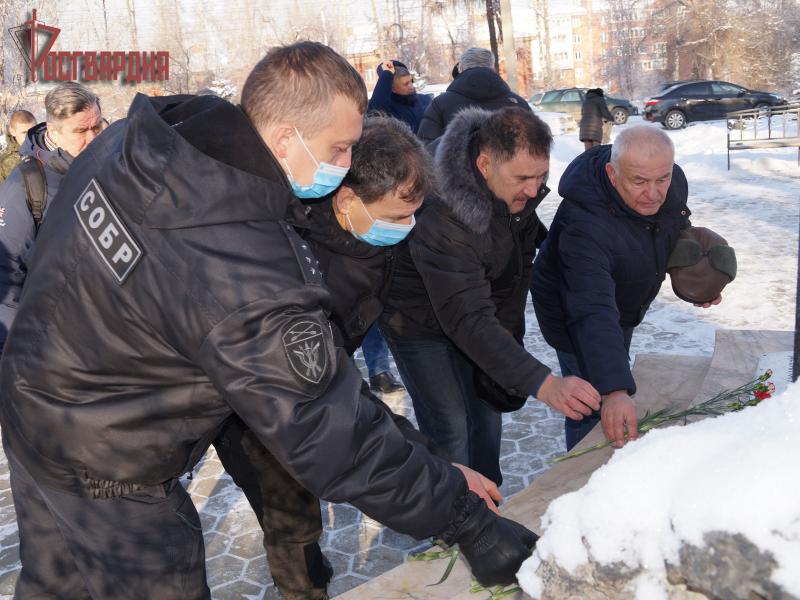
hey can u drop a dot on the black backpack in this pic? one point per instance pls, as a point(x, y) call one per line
point(35, 187)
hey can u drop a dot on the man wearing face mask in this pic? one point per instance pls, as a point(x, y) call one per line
point(168, 293)
point(354, 233)
point(455, 316)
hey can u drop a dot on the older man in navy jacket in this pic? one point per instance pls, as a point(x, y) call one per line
point(603, 263)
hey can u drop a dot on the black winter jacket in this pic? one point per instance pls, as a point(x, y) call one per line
point(118, 373)
point(479, 86)
point(594, 111)
point(468, 269)
point(358, 274)
point(601, 266)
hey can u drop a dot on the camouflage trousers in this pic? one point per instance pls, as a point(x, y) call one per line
point(289, 514)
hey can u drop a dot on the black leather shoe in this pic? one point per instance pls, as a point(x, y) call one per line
point(385, 383)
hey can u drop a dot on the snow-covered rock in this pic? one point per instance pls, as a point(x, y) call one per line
point(712, 507)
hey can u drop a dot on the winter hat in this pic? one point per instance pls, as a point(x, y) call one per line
point(701, 265)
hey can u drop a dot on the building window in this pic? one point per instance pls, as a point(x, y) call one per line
point(604, 37)
point(577, 39)
point(578, 55)
point(579, 73)
point(647, 65)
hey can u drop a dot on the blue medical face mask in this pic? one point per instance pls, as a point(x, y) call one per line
point(327, 177)
point(382, 233)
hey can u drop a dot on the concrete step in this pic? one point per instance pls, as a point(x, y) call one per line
point(661, 380)
point(676, 381)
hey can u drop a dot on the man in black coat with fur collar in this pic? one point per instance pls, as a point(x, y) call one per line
point(455, 318)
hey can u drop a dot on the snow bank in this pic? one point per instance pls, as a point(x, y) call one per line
point(737, 473)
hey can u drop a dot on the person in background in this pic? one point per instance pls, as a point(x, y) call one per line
point(394, 94)
point(18, 125)
point(594, 114)
point(73, 121)
point(477, 84)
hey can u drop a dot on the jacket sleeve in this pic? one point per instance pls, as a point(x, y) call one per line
point(381, 99)
point(17, 232)
point(460, 295)
point(588, 297)
point(604, 112)
point(275, 363)
point(432, 124)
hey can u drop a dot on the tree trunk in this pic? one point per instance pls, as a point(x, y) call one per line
point(490, 17)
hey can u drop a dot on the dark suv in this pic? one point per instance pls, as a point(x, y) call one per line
point(689, 101)
point(570, 100)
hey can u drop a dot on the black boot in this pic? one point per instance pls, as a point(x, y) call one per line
point(385, 382)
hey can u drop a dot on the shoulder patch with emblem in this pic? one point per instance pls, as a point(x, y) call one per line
point(110, 238)
point(308, 345)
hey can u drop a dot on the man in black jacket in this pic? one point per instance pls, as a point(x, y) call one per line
point(455, 316)
point(354, 233)
point(167, 292)
point(477, 84)
point(603, 263)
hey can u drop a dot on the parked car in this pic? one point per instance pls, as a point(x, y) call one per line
point(690, 101)
point(570, 100)
point(559, 123)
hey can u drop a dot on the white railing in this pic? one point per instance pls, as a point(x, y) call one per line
point(773, 127)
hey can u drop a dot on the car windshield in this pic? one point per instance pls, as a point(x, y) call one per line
point(550, 96)
point(670, 89)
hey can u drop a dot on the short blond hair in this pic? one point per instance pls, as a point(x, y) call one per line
point(297, 84)
point(21, 118)
point(68, 99)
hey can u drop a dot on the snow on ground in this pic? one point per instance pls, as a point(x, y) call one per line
point(719, 475)
point(754, 206)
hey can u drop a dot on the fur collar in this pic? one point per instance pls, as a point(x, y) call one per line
point(463, 189)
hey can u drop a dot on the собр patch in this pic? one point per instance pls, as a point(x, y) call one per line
point(111, 239)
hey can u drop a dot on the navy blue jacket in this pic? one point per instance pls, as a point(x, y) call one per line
point(408, 109)
point(601, 266)
point(17, 229)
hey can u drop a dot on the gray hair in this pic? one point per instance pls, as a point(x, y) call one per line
point(642, 139)
point(68, 99)
point(476, 57)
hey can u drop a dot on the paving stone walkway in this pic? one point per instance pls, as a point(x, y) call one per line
point(358, 547)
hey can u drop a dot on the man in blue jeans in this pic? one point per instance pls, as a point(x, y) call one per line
point(455, 316)
point(376, 356)
point(603, 263)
